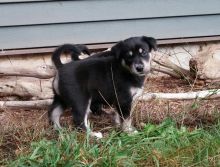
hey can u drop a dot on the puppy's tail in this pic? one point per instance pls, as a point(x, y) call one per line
point(74, 50)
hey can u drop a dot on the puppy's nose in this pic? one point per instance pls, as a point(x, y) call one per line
point(139, 67)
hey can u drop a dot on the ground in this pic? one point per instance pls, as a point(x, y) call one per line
point(19, 127)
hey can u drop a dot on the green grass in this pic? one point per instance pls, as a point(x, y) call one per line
point(154, 145)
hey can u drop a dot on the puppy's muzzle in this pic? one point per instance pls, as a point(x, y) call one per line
point(139, 68)
point(142, 68)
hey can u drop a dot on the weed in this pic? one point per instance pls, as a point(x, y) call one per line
point(154, 145)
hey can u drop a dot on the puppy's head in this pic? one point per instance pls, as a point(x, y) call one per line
point(134, 54)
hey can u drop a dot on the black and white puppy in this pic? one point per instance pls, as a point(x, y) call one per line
point(112, 77)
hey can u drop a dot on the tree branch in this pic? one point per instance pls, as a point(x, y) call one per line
point(38, 104)
point(43, 104)
point(165, 62)
point(206, 94)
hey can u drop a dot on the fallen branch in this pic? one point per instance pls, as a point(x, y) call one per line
point(165, 62)
point(43, 104)
point(37, 104)
point(206, 94)
point(167, 71)
point(164, 65)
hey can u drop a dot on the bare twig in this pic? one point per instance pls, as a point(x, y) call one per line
point(166, 71)
point(165, 62)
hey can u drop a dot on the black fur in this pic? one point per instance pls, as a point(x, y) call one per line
point(108, 76)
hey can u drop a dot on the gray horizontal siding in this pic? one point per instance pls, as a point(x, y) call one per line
point(14, 1)
point(102, 32)
point(51, 23)
point(96, 10)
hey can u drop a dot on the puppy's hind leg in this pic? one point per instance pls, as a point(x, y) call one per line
point(55, 111)
point(80, 113)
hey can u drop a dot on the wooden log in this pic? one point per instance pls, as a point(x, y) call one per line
point(31, 66)
point(41, 71)
point(38, 66)
point(26, 87)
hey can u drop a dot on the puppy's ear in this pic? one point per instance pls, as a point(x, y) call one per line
point(116, 49)
point(152, 42)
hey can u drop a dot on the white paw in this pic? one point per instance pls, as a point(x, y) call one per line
point(98, 135)
point(131, 133)
point(135, 132)
point(130, 130)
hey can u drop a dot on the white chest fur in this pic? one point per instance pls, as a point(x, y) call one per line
point(136, 92)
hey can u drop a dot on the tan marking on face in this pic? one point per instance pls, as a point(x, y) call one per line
point(130, 53)
point(140, 50)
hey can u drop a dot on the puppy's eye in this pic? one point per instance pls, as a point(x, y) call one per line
point(130, 53)
point(142, 51)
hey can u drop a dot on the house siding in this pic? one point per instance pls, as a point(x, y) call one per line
point(31, 24)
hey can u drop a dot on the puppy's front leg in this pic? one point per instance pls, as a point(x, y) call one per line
point(80, 117)
point(124, 110)
point(127, 126)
